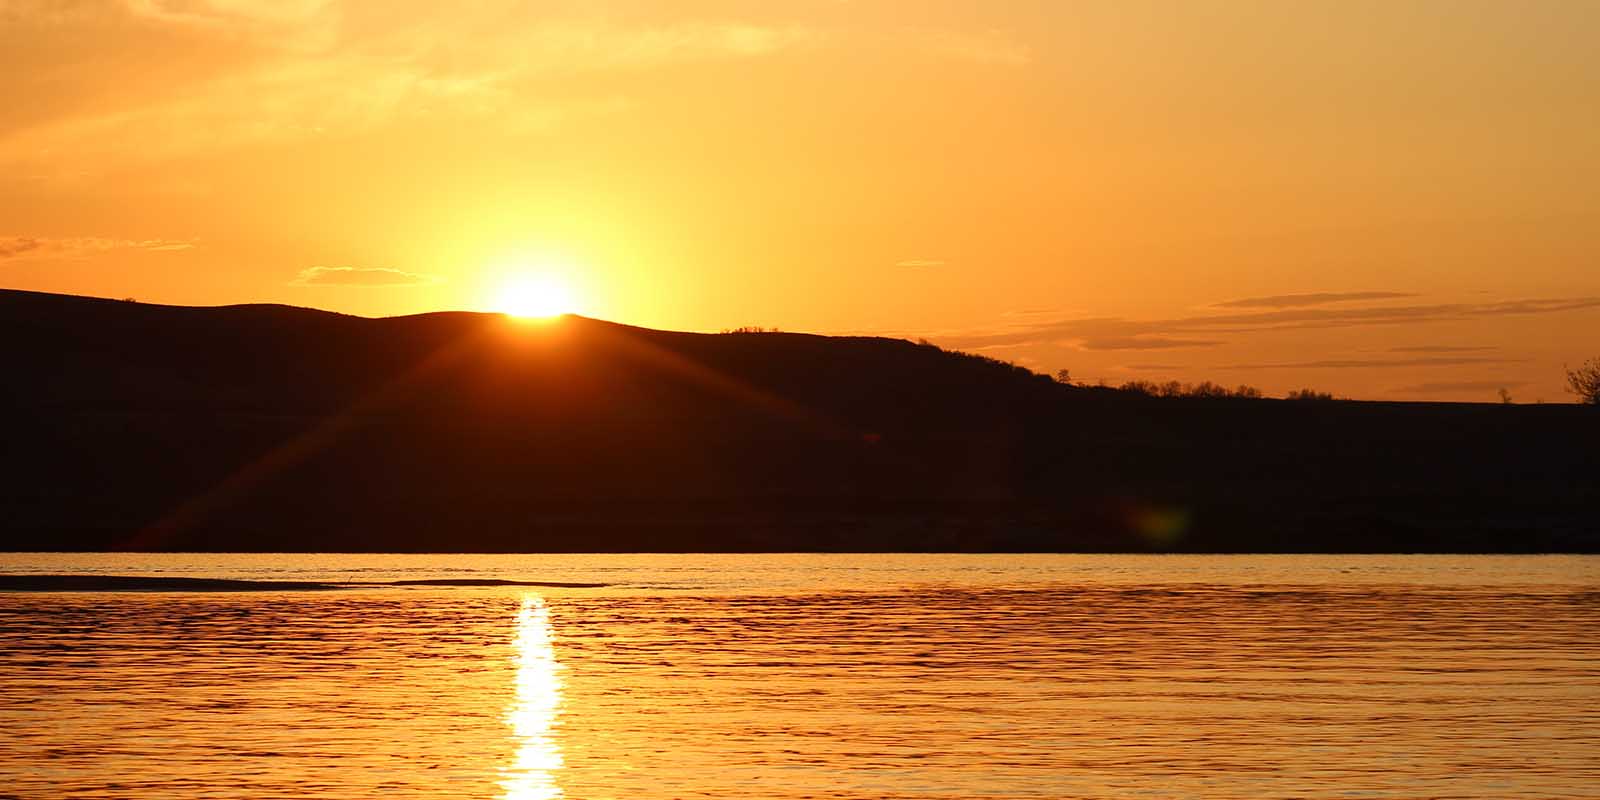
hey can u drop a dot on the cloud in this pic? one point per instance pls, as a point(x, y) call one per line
point(1440, 348)
point(1315, 299)
point(115, 85)
point(1379, 315)
point(202, 76)
point(360, 276)
point(1458, 387)
point(1078, 330)
point(1438, 361)
point(989, 47)
point(37, 248)
point(233, 15)
point(1142, 343)
point(919, 262)
point(16, 246)
point(1034, 312)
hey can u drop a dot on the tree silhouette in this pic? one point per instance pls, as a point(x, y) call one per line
point(1585, 382)
point(1309, 394)
point(1202, 389)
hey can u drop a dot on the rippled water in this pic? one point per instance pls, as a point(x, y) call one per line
point(840, 676)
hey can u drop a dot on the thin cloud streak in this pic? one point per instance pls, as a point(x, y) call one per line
point(361, 276)
point(991, 47)
point(1143, 343)
point(1453, 387)
point(1075, 330)
point(1440, 361)
point(1441, 348)
point(1313, 299)
point(40, 248)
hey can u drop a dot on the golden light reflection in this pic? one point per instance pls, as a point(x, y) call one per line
point(537, 704)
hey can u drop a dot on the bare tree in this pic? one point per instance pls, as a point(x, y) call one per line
point(1585, 382)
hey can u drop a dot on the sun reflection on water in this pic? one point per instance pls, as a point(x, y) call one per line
point(533, 711)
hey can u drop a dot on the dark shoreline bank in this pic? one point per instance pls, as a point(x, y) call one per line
point(136, 427)
point(139, 583)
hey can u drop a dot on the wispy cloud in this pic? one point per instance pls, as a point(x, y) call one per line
point(1313, 299)
point(32, 248)
point(360, 276)
point(232, 14)
point(1067, 331)
point(1458, 387)
point(1035, 312)
point(1143, 343)
point(989, 47)
point(1375, 363)
point(1441, 348)
point(18, 246)
point(259, 72)
point(174, 78)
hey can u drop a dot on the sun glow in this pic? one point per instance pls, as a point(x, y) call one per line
point(535, 297)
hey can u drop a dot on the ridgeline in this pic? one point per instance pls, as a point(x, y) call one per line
point(131, 426)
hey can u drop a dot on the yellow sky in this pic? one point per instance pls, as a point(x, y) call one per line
point(1388, 200)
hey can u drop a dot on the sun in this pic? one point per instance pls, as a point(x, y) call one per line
point(535, 297)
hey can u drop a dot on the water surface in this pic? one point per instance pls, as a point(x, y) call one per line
point(815, 676)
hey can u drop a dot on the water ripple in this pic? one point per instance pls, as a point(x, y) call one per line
point(1019, 683)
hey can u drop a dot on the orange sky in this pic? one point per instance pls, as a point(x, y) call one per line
point(1388, 200)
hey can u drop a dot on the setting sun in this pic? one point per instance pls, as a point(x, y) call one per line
point(534, 297)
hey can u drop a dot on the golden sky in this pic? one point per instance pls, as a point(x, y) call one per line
point(1393, 199)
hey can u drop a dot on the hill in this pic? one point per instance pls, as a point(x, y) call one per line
point(137, 426)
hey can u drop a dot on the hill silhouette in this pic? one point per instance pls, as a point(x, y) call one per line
point(260, 427)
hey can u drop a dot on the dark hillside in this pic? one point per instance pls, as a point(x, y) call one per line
point(268, 427)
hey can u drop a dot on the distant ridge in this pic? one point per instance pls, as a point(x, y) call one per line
point(265, 427)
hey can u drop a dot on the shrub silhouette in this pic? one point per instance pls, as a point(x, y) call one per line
point(1309, 394)
point(1202, 389)
point(1585, 382)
